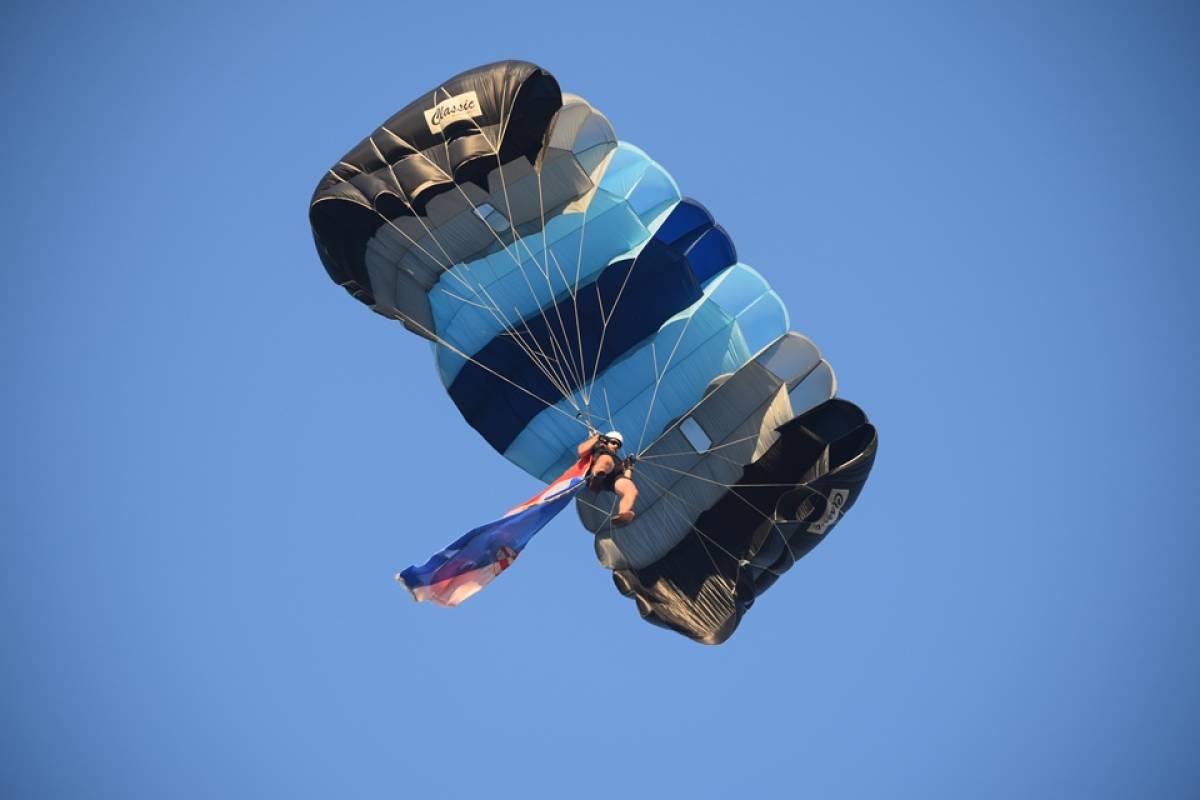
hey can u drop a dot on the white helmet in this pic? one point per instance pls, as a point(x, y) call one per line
point(615, 436)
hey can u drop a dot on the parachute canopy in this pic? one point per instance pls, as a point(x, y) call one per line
point(564, 282)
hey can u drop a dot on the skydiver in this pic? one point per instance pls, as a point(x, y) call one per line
point(611, 473)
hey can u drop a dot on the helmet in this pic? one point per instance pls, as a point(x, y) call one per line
point(614, 436)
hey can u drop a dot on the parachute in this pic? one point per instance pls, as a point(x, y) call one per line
point(566, 284)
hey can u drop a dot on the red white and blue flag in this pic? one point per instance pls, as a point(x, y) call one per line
point(466, 566)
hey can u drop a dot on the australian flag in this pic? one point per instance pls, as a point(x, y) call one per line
point(466, 566)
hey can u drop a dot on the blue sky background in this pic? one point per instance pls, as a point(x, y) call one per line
point(214, 460)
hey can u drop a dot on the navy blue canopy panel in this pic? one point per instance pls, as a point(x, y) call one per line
point(785, 503)
point(496, 148)
point(593, 327)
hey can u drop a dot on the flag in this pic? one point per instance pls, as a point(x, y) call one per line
point(466, 566)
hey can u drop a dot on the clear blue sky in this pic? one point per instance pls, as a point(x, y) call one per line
point(214, 460)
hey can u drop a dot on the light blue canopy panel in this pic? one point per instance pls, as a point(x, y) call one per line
point(738, 315)
point(474, 301)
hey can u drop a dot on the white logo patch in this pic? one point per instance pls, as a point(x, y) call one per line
point(452, 109)
point(833, 512)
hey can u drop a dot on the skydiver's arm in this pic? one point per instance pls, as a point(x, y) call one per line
point(588, 445)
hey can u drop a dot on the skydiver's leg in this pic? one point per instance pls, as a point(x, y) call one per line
point(603, 465)
point(626, 489)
